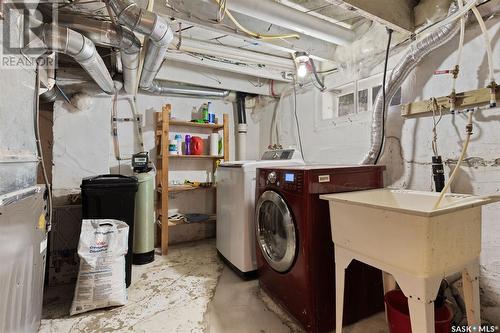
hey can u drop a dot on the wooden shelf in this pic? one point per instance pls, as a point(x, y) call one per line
point(163, 124)
point(219, 157)
point(199, 125)
point(211, 218)
point(185, 188)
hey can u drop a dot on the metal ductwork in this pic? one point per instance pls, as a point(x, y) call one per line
point(289, 18)
point(49, 96)
point(399, 74)
point(82, 50)
point(166, 88)
point(108, 34)
point(150, 24)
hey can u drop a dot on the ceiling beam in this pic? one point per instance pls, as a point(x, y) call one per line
point(213, 78)
point(233, 67)
point(395, 14)
point(203, 14)
point(293, 19)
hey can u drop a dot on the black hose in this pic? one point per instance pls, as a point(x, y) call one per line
point(389, 39)
point(316, 76)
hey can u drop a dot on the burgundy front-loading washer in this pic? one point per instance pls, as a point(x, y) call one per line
point(295, 253)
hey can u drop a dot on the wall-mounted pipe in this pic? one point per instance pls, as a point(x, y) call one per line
point(242, 126)
point(289, 18)
point(417, 52)
point(167, 88)
point(107, 34)
point(82, 50)
point(149, 24)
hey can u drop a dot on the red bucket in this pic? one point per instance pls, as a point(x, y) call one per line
point(398, 314)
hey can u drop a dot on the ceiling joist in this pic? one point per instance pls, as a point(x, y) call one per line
point(395, 14)
point(203, 14)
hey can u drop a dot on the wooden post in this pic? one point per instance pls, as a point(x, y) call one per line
point(226, 136)
point(164, 177)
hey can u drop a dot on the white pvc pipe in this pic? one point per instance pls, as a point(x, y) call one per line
point(459, 163)
point(289, 18)
point(487, 40)
point(241, 151)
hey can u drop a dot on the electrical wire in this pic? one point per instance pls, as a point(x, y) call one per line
point(386, 63)
point(316, 76)
point(435, 124)
point(252, 33)
point(36, 115)
point(221, 13)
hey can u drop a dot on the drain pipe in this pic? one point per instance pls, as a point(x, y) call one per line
point(242, 127)
point(108, 34)
point(399, 74)
point(167, 88)
point(149, 24)
point(82, 50)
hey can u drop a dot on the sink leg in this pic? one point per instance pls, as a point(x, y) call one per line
point(342, 260)
point(421, 293)
point(389, 284)
point(421, 315)
point(470, 281)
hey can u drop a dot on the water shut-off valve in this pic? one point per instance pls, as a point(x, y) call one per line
point(453, 96)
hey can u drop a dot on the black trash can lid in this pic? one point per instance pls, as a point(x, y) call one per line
point(109, 181)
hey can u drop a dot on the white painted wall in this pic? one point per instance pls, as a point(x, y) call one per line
point(408, 149)
point(83, 144)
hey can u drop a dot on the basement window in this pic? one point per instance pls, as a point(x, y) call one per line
point(396, 100)
point(363, 100)
point(346, 105)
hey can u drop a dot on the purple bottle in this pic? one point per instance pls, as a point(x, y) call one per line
point(187, 142)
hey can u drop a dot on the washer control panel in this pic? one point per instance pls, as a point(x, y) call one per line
point(286, 180)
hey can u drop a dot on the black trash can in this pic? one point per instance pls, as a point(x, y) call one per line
point(112, 197)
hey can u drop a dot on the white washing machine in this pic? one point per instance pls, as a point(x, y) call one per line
point(236, 206)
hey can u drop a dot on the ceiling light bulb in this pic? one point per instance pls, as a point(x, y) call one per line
point(301, 70)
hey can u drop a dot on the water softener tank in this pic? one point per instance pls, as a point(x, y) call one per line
point(144, 218)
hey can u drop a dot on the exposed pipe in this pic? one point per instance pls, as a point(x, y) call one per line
point(242, 126)
point(49, 96)
point(151, 25)
point(289, 18)
point(417, 52)
point(166, 88)
point(217, 50)
point(82, 50)
point(108, 34)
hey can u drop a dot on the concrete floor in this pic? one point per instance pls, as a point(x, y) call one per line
point(187, 291)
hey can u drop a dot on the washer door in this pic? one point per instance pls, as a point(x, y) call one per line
point(275, 229)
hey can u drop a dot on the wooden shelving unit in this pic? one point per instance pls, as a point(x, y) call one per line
point(163, 124)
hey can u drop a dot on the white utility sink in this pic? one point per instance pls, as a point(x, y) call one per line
point(401, 228)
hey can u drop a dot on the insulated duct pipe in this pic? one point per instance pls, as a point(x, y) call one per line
point(82, 50)
point(289, 18)
point(107, 34)
point(242, 127)
point(166, 88)
point(148, 24)
point(399, 74)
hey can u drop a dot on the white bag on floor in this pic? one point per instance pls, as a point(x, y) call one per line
point(101, 279)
